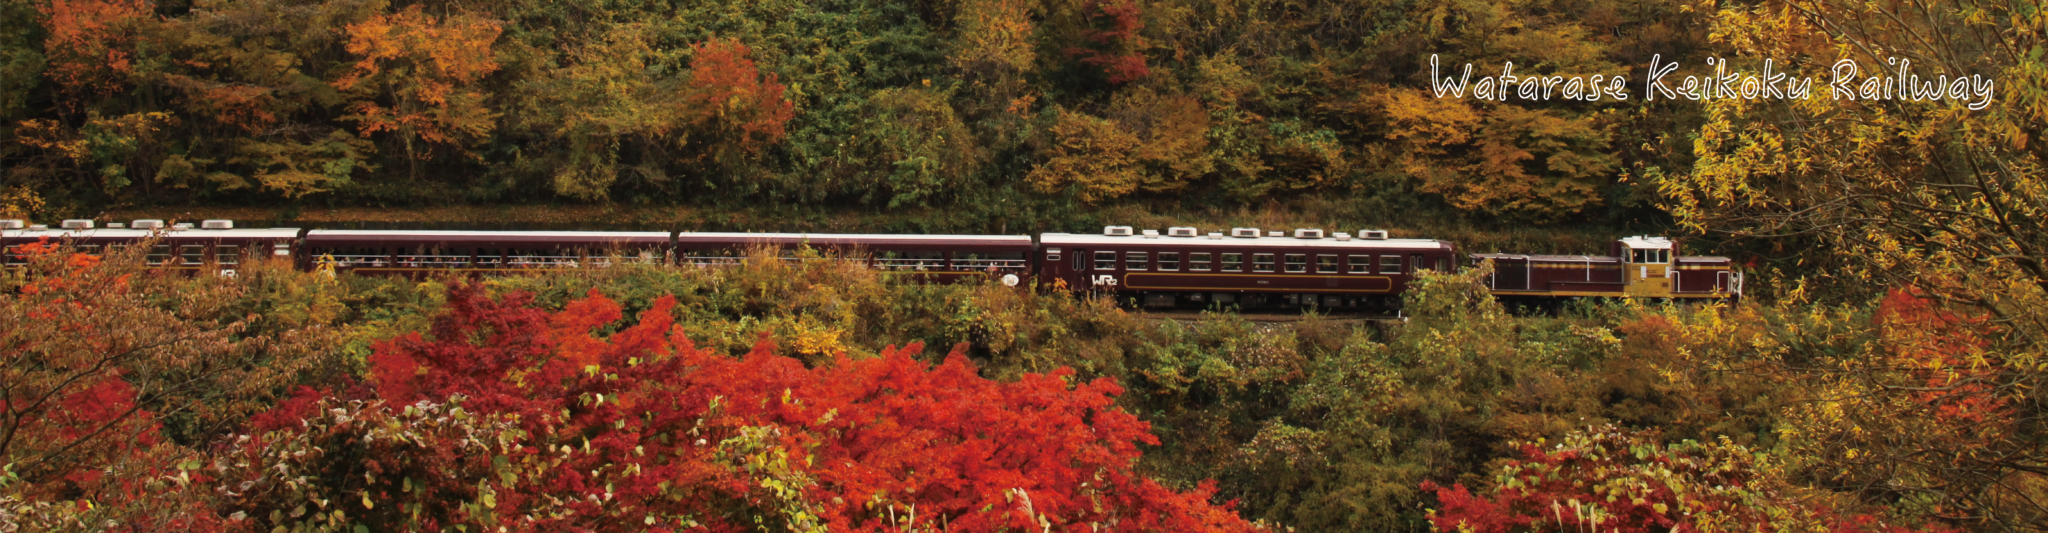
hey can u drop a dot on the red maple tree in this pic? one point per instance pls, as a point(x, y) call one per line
point(561, 428)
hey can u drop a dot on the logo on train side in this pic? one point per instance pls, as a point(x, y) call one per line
point(1105, 280)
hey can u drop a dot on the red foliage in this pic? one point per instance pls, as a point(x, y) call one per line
point(732, 92)
point(1610, 480)
point(1945, 352)
point(661, 430)
point(1118, 43)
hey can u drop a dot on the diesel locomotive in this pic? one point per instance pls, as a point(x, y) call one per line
point(1245, 267)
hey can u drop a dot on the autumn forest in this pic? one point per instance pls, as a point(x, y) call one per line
point(1883, 372)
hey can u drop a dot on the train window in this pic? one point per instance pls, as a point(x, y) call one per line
point(1169, 261)
point(14, 258)
point(1052, 256)
point(435, 258)
point(1361, 264)
point(1390, 264)
point(1105, 260)
point(542, 259)
point(192, 254)
point(89, 249)
point(989, 261)
point(1326, 264)
point(1136, 260)
point(1233, 262)
point(1262, 262)
point(158, 254)
point(1297, 262)
point(489, 258)
point(228, 254)
point(705, 258)
point(1198, 261)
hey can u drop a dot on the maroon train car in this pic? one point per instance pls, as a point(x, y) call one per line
point(1249, 268)
point(212, 244)
point(1636, 267)
point(419, 252)
point(933, 258)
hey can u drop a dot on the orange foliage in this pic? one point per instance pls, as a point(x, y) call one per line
point(734, 96)
point(427, 67)
point(88, 46)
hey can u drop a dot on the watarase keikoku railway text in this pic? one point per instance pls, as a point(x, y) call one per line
point(1245, 267)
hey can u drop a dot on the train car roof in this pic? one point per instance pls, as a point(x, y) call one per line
point(1071, 239)
point(1592, 258)
point(347, 237)
point(137, 234)
point(1640, 242)
point(1022, 242)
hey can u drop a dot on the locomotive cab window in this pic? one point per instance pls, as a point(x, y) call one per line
point(1198, 262)
point(1361, 264)
point(1169, 261)
point(1326, 264)
point(1136, 260)
point(1390, 264)
point(1105, 260)
point(1297, 263)
point(1262, 262)
point(1233, 262)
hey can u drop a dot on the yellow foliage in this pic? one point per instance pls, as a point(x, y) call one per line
point(1499, 158)
point(1154, 144)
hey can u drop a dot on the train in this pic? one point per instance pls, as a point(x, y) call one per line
point(1249, 268)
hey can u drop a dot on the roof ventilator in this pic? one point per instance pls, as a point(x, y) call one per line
point(1116, 231)
point(1277, 233)
point(1151, 234)
point(1305, 233)
point(1215, 235)
point(217, 224)
point(13, 223)
point(1373, 234)
point(77, 223)
point(147, 223)
point(181, 226)
point(1341, 236)
point(1245, 233)
point(1181, 231)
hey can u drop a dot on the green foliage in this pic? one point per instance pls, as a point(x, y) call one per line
point(863, 103)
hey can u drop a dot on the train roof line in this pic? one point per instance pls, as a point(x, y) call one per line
point(460, 233)
point(130, 233)
point(1222, 242)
